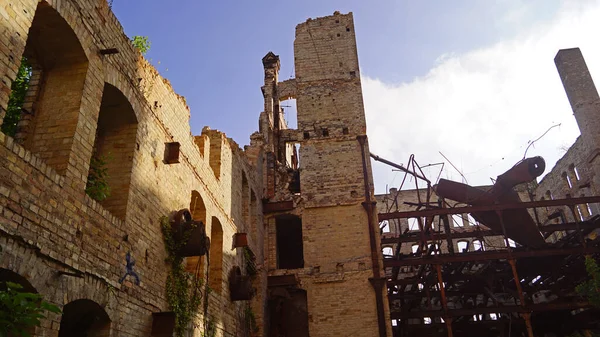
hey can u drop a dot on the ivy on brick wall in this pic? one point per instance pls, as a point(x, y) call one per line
point(18, 90)
point(97, 183)
point(183, 290)
point(590, 289)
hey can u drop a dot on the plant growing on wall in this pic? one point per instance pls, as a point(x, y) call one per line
point(183, 290)
point(20, 311)
point(210, 329)
point(251, 319)
point(18, 90)
point(250, 262)
point(142, 43)
point(97, 183)
point(590, 289)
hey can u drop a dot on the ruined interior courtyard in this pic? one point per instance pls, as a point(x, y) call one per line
point(284, 237)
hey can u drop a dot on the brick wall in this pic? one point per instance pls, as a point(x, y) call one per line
point(69, 246)
point(337, 263)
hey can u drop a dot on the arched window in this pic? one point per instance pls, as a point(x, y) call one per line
point(413, 224)
point(113, 151)
point(195, 264)
point(462, 246)
point(215, 280)
point(253, 216)
point(388, 252)
point(12, 277)
point(84, 318)
point(245, 202)
point(385, 226)
point(478, 245)
point(45, 122)
point(457, 220)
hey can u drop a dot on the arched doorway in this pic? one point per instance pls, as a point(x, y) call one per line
point(113, 151)
point(12, 277)
point(84, 318)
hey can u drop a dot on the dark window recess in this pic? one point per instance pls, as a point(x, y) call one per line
point(288, 313)
point(306, 135)
point(290, 253)
point(325, 132)
point(172, 153)
point(345, 131)
point(347, 29)
point(294, 185)
point(353, 73)
point(338, 34)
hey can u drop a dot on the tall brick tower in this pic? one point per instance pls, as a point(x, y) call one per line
point(324, 259)
point(585, 102)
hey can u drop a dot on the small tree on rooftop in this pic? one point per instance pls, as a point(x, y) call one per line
point(142, 43)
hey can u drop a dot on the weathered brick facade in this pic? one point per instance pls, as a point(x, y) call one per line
point(92, 94)
point(321, 207)
point(70, 247)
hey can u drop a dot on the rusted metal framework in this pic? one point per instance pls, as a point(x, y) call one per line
point(522, 287)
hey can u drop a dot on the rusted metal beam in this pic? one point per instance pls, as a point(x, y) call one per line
point(572, 305)
point(399, 167)
point(410, 238)
point(487, 255)
point(376, 281)
point(496, 207)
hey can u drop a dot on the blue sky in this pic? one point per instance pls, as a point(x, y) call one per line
point(211, 50)
point(410, 52)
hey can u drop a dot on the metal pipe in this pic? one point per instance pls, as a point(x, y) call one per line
point(377, 281)
point(399, 167)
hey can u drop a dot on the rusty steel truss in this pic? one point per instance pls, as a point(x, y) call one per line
point(522, 289)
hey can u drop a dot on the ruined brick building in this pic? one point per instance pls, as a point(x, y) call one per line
point(501, 260)
point(293, 223)
point(269, 208)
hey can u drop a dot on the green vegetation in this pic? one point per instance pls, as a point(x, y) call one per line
point(18, 90)
point(142, 43)
point(184, 290)
point(590, 289)
point(20, 311)
point(97, 183)
point(250, 262)
point(251, 319)
point(210, 328)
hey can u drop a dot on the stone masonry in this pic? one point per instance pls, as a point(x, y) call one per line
point(309, 214)
point(316, 198)
point(71, 249)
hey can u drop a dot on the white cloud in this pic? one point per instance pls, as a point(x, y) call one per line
point(481, 108)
